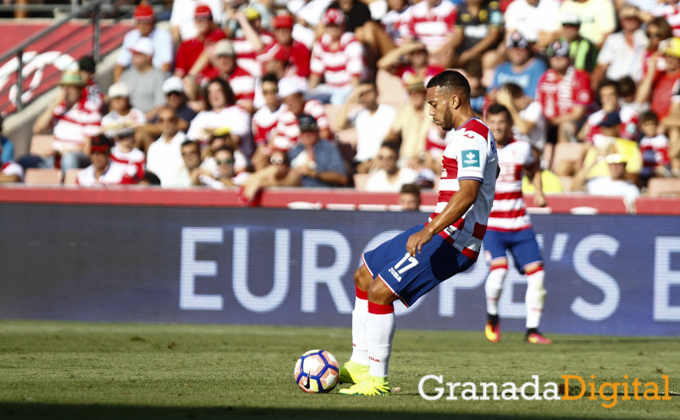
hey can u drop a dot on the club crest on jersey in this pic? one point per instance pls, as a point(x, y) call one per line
point(470, 158)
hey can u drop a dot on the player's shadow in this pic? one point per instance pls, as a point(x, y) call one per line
point(37, 411)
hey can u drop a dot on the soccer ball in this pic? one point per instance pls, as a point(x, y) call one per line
point(316, 371)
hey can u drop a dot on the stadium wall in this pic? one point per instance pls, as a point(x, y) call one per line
point(606, 274)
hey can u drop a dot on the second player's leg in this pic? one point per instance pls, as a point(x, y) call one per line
point(493, 287)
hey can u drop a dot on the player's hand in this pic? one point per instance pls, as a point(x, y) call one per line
point(417, 240)
point(503, 97)
point(539, 200)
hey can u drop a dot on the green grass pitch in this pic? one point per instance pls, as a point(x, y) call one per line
point(72, 370)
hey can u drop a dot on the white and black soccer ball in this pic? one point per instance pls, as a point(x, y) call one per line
point(316, 371)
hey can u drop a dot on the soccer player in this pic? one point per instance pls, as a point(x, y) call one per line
point(417, 260)
point(510, 228)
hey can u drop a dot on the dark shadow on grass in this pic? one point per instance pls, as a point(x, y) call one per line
point(104, 412)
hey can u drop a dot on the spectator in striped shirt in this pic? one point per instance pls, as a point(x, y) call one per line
point(103, 171)
point(337, 59)
point(431, 22)
point(72, 124)
point(125, 152)
point(286, 57)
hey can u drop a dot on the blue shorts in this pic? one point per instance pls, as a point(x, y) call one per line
point(521, 244)
point(408, 277)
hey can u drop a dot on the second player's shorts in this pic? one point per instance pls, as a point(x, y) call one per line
point(522, 245)
point(408, 277)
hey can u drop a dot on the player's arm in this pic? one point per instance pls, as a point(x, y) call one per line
point(454, 210)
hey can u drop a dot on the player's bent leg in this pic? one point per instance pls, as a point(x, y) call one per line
point(356, 369)
point(534, 300)
point(493, 288)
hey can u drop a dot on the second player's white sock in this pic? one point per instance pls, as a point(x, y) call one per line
point(535, 297)
point(359, 319)
point(380, 329)
point(494, 287)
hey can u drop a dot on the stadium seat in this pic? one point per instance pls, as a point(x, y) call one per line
point(43, 176)
point(390, 89)
point(41, 143)
point(70, 176)
point(360, 181)
point(565, 152)
point(663, 186)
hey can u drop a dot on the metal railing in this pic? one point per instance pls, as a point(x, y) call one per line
point(93, 8)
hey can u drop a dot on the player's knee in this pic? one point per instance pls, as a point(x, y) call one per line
point(362, 278)
point(535, 280)
point(499, 264)
point(379, 293)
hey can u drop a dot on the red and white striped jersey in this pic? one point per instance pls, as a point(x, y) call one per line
point(559, 95)
point(470, 154)
point(629, 123)
point(71, 127)
point(654, 151)
point(12, 168)
point(115, 174)
point(134, 160)
point(246, 56)
point(298, 58)
point(435, 142)
point(671, 12)
point(264, 122)
point(509, 211)
point(433, 26)
point(338, 66)
point(241, 82)
point(287, 128)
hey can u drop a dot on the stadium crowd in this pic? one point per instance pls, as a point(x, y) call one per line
point(260, 94)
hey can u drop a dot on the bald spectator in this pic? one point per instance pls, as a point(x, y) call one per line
point(145, 83)
point(145, 27)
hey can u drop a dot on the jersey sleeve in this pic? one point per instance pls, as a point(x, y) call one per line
point(470, 151)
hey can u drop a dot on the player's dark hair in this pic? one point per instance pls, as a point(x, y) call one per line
point(514, 89)
point(626, 86)
point(270, 77)
point(226, 89)
point(393, 146)
point(608, 82)
point(473, 68)
point(496, 109)
point(649, 116)
point(191, 143)
point(451, 79)
point(410, 189)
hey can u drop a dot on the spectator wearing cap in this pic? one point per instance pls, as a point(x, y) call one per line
point(102, 171)
point(316, 162)
point(527, 115)
point(658, 86)
point(72, 124)
point(7, 146)
point(614, 184)
point(431, 22)
point(145, 83)
point(409, 59)
point(623, 51)
point(337, 59)
point(184, 14)
point(189, 175)
point(537, 20)
point(266, 117)
point(164, 156)
point(285, 134)
point(412, 124)
point(145, 27)
point(221, 111)
point(125, 152)
point(372, 122)
point(477, 33)
point(94, 99)
point(10, 172)
point(609, 98)
point(253, 40)
point(285, 57)
point(120, 111)
point(389, 177)
point(190, 50)
point(608, 142)
point(597, 17)
point(564, 93)
point(522, 67)
point(582, 52)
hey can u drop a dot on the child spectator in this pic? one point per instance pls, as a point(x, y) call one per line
point(125, 152)
point(121, 112)
point(654, 149)
point(409, 197)
point(102, 171)
point(609, 98)
point(627, 96)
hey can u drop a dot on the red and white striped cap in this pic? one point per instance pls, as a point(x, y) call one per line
point(333, 17)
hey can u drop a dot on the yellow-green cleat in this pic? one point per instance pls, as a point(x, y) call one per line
point(371, 386)
point(352, 373)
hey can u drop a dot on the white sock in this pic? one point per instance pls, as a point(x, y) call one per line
point(359, 319)
point(380, 329)
point(535, 297)
point(494, 287)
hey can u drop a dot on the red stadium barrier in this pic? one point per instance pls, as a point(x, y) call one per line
point(658, 205)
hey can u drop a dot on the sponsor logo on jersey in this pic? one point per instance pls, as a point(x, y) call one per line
point(471, 159)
